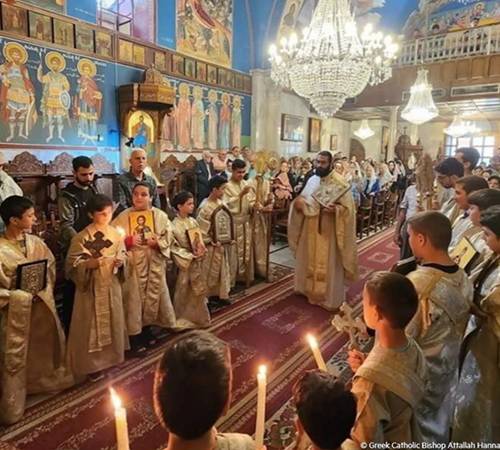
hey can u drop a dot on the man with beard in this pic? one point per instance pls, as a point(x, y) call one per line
point(72, 204)
point(323, 237)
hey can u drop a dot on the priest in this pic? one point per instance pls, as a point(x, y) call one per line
point(322, 235)
point(31, 336)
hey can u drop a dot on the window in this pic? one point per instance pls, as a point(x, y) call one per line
point(133, 17)
point(484, 144)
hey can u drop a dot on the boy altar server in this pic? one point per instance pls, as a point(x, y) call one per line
point(445, 298)
point(32, 340)
point(98, 335)
point(145, 291)
point(389, 382)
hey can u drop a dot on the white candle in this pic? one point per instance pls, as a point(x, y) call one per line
point(120, 422)
point(121, 232)
point(313, 343)
point(260, 420)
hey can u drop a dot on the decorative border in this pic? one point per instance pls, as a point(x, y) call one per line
point(113, 46)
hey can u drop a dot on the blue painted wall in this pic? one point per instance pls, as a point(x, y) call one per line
point(165, 23)
point(82, 9)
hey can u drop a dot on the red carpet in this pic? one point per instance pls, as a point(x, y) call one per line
point(266, 326)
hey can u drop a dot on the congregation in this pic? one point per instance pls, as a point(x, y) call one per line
point(435, 315)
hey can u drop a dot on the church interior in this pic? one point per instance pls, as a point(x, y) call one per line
point(248, 224)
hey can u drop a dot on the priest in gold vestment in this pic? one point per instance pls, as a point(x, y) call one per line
point(445, 298)
point(98, 333)
point(477, 411)
point(32, 343)
point(220, 261)
point(239, 197)
point(323, 238)
point(145, 291)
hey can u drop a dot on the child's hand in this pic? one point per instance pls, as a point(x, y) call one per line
point(355, 359)
point(93, 263)
point(152, 242)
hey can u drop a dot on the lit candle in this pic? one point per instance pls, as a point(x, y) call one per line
point(313, 343)
point(120, 422)
point(121, 232)
point(260, 420)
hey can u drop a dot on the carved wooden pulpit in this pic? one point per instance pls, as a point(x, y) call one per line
point(142, 108)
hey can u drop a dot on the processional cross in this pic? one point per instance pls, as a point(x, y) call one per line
point(97, 245)
point(345, 322)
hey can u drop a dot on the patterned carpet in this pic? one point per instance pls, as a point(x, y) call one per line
point(81, 418)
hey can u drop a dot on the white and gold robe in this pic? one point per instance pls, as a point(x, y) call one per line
point(98, 333)
point(451, 210)
point(145, 291)
point(219, 263)
point(324, 245)
point(477, 409)
point(388, 387)
point(190, 298)
point(261, 223)
point(241, 209)
point(460, 227)
point(32, 342)
point(438, 327)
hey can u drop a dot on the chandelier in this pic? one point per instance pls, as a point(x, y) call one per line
point(421, 107)
point(332, 62)
point(364, 131)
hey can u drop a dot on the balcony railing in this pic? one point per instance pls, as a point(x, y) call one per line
point(454, 45)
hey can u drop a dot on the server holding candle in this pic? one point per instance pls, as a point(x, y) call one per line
point(193, 390)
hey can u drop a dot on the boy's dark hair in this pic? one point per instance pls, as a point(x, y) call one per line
point(484, 198)
point(81, 161)
point(394, 296)
point(98, 203)
point(434, 226)
point(181, 198)
point(238, 164)
point(326, 410)
point(470, 155)
point(472, 183)
point(450, 167)
point(494, 177)
point(192, 384)
point(14, 206)
point(490, 218)
point(216, 182)
point(143, 184)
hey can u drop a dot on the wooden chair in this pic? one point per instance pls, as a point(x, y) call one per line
point(378, 211)
point(364, 216)
point(279, 220)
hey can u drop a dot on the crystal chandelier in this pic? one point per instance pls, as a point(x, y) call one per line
point(421, 107)
point(332, 62)
point(457, 128)
point(364, 131)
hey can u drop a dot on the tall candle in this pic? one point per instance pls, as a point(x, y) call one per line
point(121, 232)
point(120, 422)
point(313, 343)
point(260, 420)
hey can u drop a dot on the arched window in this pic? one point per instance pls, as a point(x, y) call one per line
point(132, 17)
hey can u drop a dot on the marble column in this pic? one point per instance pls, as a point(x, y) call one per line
point(266, 115)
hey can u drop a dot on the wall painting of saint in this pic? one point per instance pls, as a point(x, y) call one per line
point(205, 30)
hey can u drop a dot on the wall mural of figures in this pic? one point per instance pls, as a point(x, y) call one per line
point(54, 98)
point(203, 119)
point(53, 5)
point(205, 29)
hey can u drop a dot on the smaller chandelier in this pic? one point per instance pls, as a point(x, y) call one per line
point(421, 107)
point(364, 131)
point(456, 128)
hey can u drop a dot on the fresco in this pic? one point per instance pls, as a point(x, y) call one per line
point(204, 118)
point(53, 97)
point(205, 29)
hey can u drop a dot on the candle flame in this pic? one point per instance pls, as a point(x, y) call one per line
point(262, 370)
point(312, 341)
point(121, 231)
point(117, 402)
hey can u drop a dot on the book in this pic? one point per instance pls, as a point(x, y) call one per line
point(32, 277)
